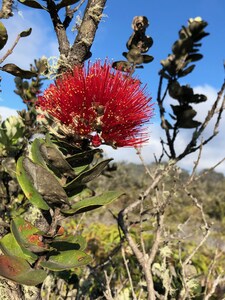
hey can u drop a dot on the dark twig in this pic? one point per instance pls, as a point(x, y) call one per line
point(70, 13)
point(59, 28)
point(164, 123)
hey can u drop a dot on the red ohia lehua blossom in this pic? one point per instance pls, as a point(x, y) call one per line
point(101, 104)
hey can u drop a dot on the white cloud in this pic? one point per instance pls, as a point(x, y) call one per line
point(6, 112)
point(40, 42)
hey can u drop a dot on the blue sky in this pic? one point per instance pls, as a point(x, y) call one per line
point(166, 19)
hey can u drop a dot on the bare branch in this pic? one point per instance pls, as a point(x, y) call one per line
point(128, 274)
point(108, 293)
point(10, 51)
point(207, 279)
point(59, 28)
point(216, 282)
point(210, 169)
point(70, 13)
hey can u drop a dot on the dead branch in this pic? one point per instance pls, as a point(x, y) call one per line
point(128, 274)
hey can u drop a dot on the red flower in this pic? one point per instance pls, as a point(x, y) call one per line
point(100, 103)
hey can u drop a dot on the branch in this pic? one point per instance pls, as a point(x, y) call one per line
point(128, 274)
point(10, 51)
point(142, 259)
point(164, 123)
point(59, 28)
point(108, 293)
point(80, 50)
point(70, 13)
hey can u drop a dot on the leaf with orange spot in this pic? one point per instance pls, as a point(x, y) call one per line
point(28, 236)
point(10, 247)
point(18, 269)
point(66, 260)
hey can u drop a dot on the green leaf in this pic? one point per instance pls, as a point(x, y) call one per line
point(33, 4)
point(92, 203)
point(26, 32)
point(64, 3)
point(55, 160)
point(66, 260)
point(16, 71)
point(10, 247)
point(28, 236)
point(19, 270)
point(87, 176)
point(83, 158)
point(3, 35)
point(35, 152)
point(85, 193)
point(49, 156)
point(25, 182)
point(69, 242)
point(42, 179)
point(80, 169)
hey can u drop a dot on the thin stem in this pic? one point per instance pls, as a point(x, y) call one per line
point(10, 51)
point(70, 13)
point(164, 123)
point(128, 274)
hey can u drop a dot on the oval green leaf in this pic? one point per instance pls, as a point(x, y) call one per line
point(69, 242)
point(28, 236)
point(87, 176)
point(92, 203)
point(42, 179)
point(66, 260)
point(10, 247)
point(83, 158)
point(27, 186)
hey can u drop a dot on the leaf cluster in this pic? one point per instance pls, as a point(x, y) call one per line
point(137, 44)
point(51, 248)
point(185, 52)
